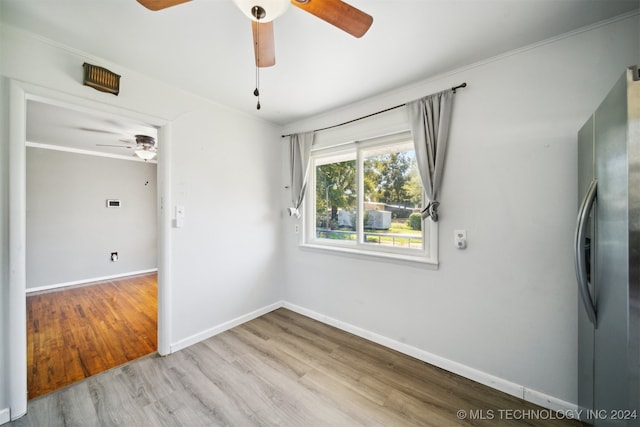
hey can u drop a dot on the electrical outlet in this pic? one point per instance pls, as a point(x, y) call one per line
point(297, 228)
point(114, 256)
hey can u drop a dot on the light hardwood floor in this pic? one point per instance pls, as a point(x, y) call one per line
point(76, 332)
point(281, 369)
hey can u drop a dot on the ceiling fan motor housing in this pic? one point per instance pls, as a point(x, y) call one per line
point(145, 140)
point(263, 10)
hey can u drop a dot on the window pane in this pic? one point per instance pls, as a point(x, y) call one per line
point(383, 218)
point(336, 200)
point(392, 197)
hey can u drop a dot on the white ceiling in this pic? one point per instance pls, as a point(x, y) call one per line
point(205, 46)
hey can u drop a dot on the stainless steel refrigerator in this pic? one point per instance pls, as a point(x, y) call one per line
point(607, 252)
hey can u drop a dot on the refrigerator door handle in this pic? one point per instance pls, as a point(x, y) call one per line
point(579, 247)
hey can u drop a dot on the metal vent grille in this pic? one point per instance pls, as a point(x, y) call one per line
point(101, 79)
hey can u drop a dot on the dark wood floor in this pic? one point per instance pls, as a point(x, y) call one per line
point(282, 369)
point(76, 332)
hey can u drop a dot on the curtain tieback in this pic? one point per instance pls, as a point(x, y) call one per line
point(294, 212)
point(431, 211)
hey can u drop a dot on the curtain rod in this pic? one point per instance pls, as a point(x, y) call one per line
point(373, 114)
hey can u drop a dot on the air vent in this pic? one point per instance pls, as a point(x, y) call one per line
point(101, 79)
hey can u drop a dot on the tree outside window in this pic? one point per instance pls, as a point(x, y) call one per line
point(387, 214)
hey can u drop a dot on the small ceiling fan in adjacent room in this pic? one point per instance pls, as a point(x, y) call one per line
point(144, 146)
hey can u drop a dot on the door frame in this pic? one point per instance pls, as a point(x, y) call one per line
point(19, 94)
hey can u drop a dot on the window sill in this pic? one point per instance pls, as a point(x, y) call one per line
point(432, 265)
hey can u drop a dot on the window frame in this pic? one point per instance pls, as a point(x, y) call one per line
point(355, 150)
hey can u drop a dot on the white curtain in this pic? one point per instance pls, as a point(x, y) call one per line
point(300, 152)
point(430, 118)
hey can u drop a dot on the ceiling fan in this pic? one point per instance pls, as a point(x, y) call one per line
point(263, 12)
point(144, 147)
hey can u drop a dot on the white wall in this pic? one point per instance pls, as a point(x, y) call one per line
point(503, 310)
point(4, 249)
point(229, 260)
point(224, 168)
point(70, 230)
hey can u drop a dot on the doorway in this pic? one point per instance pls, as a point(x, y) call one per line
point(20, 94)
point(91, 219)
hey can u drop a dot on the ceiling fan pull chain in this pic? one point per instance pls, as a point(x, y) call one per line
point(256, 92)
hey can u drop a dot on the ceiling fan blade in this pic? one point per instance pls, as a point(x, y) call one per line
point(97, 130)
point(263, 45)
point(338, 13)
point(111, 145)
point(160, 4)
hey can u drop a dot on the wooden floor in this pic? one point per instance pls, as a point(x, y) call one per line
point(77, 332)
point(287, 370)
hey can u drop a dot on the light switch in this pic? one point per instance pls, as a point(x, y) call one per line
point(179, 216)
point(460, 238)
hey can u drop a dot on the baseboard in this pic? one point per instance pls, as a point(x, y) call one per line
point(89, 280)
point(571, 410)
point(481, 377)
point(201, 336)
point(5, 416)
point(501, 384)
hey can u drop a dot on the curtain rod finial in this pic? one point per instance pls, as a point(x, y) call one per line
point(459, 86)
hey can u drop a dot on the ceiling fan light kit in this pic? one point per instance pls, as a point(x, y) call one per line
point(144, 148)
point(145, 154)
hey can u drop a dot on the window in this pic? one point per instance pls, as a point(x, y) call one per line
point(367, 199)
